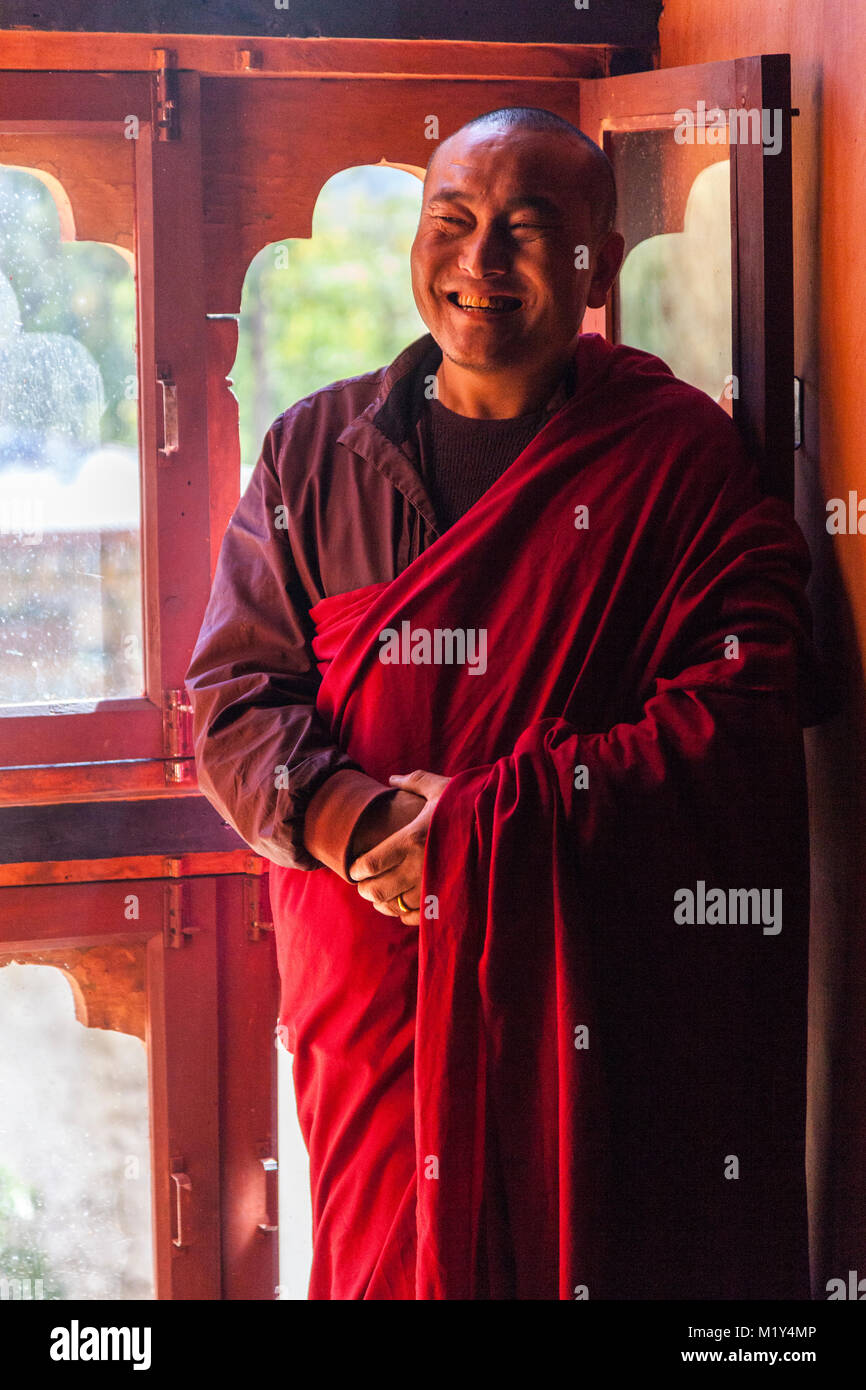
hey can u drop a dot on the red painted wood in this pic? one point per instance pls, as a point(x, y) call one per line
point(248, 1006)
point(183, 1078)
point(175, 491)
point(66, 733)
point(102, 781)
point(173, 331)
point(73, 97)
point(50, 915)
point(322, 57)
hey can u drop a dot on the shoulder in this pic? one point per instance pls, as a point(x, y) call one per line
point(302, 443)
point(328, 410)
point(678, 429)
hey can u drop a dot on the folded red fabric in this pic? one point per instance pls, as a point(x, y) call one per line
point(560, 1087)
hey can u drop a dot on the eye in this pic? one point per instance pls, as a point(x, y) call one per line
point(441, 217)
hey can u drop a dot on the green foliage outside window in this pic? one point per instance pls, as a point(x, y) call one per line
point(335, 306)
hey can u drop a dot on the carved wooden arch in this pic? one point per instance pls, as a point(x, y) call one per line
point(222, 340)
point(270, 145)
point(90, 179)
point(107, 983)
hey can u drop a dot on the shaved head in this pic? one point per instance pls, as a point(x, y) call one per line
point(584, 162)
point(514, 243)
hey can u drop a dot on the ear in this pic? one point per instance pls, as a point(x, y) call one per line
point(608, 260)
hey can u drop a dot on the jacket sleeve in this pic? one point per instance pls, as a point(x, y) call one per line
point(262, 751)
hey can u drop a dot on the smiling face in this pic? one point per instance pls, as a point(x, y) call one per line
point(493, 260)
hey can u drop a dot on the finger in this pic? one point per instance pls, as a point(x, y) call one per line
point(424, 783)
point(409, 919)
point(430, 785)
point(388, 854)
point(387, 909)
point(386, 886)
point(412, 918)
point(390, 907)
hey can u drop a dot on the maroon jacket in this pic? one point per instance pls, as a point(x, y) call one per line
point(337, 501)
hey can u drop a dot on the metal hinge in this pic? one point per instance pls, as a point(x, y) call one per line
point(177, 738)
point(176, 927)
point(165, 112)
point(255, 899)
point(248, 60)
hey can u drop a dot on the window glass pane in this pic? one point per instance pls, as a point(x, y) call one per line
point(70, 565)
point(674, 295)
point(74, 1148)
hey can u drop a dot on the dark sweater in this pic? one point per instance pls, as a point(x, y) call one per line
point(463, 456)
point(466, 455)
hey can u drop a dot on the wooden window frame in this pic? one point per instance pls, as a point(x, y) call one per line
point(762, 256)
point(66, 749)
point(204, 921)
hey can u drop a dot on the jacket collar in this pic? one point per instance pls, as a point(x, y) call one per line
point(401, 396)
point(385, 432)
point(404, 389)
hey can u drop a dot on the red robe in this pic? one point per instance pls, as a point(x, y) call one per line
point(556, 1087)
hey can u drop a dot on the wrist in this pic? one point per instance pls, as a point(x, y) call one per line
point(334, 811)
point(382, 818)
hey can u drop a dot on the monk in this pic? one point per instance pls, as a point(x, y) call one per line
point(503, 670)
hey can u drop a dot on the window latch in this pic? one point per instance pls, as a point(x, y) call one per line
point(170, 440)
point(272, 1178)
point(183, 1202)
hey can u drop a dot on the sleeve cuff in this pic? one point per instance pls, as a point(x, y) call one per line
point(333, 813)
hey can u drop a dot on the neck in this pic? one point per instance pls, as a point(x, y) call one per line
point(499, 395)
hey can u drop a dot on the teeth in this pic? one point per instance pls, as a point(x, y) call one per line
point(469, 301)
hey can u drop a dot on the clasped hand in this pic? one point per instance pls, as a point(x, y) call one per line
point(392, 860)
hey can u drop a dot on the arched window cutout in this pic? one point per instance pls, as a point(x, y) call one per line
point(337, 305)
point(75, 1201)
point(69, 461)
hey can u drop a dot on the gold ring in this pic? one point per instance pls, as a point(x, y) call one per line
point(402, 904)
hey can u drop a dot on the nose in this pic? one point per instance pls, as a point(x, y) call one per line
point(483, 252)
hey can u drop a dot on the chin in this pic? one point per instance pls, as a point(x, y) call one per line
point(476, 357)
point(472, 364)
